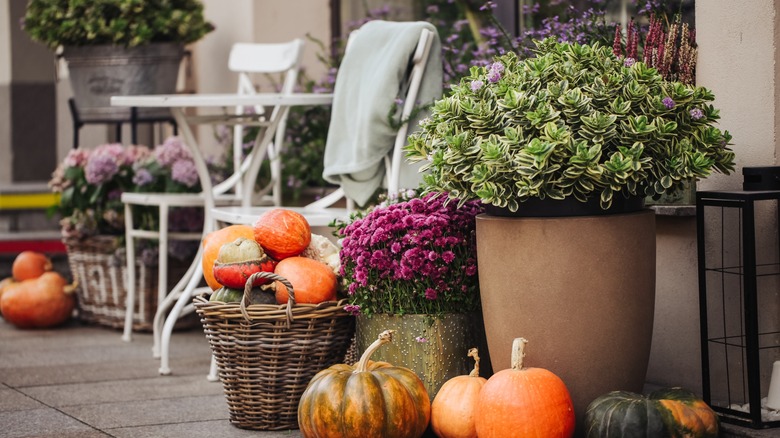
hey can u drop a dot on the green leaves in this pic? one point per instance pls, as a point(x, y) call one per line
point(574, 121)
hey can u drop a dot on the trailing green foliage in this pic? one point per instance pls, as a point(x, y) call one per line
point(573, 121)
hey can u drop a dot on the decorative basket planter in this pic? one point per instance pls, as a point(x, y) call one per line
point(102, 280)
point(267, 353)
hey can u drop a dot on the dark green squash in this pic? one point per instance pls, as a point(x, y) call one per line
point(671, 412)
point(257, 296)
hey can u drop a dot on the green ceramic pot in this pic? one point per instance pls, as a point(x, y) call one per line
point(435, 348)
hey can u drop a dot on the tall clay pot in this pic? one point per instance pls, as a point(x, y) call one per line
point(582, 289)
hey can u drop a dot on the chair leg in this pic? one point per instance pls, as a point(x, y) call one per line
point(164, 306)
point(127, 336)
point(183, 300)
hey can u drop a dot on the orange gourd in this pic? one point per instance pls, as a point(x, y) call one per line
point(524, 402)
point(30, 264)
point(282, 233)
point(371, 399)
point(212, 244)
point(40, 302)
point(313, 281)
point(453, 408)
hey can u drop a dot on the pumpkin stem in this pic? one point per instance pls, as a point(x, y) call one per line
point(384, 338)
point(518, 353)
point(70, 288)
point(474, 352)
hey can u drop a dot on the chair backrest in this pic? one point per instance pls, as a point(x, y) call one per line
point(394, 160)
point(263, 58)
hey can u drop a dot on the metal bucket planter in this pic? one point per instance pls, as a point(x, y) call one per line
point(99, 72)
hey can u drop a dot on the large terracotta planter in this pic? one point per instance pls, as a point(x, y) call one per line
point(580, 289)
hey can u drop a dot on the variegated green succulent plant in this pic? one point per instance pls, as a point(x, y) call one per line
point(573, 121)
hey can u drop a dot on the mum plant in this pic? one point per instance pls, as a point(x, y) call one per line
point(119, 22)
point(575, 121)
point(91, 182)
point(416, 256)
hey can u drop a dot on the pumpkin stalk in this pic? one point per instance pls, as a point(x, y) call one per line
point(70, 288)
point(384, 338)
point(474, 352)
point(518, 353)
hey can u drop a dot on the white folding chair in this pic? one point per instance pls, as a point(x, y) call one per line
point(245, 59)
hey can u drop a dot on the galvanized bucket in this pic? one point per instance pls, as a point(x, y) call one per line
point(99, 72)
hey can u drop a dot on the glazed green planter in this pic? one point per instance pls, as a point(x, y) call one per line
point(435, 348)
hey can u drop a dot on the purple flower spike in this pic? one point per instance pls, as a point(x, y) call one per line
point(696, 114)
point(668, 102)
point(476, 84)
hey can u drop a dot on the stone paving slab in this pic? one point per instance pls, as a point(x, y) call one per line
point(105, 416)
point(199, 429)
point(44, 422)
point(13, 400)
point(154, 388)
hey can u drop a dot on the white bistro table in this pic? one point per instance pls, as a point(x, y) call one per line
point(213, 103)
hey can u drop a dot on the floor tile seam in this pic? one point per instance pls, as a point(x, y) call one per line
point(56, 409)
point(141, 426)
point(111, 380)
point(145, 399)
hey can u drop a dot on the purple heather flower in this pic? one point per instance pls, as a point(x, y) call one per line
point(183, 171)
point(696, 113)
point(628, 62)
point(668, 102)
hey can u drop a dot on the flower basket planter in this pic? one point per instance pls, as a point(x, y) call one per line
point(102, 279)
point(267, 353)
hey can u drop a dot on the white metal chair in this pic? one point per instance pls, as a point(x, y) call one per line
point(245, 58)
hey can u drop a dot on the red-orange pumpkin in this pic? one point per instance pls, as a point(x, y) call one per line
point(524, 402)
point(40, 302)
point(313, 281)
point(282, 233)
point(30, 264)
point(452, 410)
point(212, 244)
point(371, 399)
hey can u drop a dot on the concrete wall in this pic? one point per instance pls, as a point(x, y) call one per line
point(738, 57)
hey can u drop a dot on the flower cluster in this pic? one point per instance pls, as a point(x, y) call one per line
point(91, 182)
point(416, 256)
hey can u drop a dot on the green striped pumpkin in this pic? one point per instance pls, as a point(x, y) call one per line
point(670, 412)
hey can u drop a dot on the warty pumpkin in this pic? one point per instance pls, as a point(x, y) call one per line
point(452, 410)
point(282, 233)
point(669, 412)
point(213, 242)
point(240, 259)
point(524, 402)
point(371, 399)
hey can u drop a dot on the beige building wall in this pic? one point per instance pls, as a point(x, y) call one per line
point(5, 83)
point(738, 61)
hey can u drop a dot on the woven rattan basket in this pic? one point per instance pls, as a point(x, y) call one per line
point(101, 275)
point(267, 354)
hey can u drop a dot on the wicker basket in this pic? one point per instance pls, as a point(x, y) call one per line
point(267, 354)
point(101, 276)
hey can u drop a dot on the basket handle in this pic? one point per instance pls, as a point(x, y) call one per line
point(245, 301)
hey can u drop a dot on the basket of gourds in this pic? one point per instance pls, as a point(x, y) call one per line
point(274, 333)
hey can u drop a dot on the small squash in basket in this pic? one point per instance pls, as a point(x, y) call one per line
point(452, 410)
point(240, 259)
point(371, 399)
point(259, 295)
point(672, 412)
point(213, 242)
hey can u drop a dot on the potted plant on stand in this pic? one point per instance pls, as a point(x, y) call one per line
point(410, 265)
point(574, 131)
point(117, 47)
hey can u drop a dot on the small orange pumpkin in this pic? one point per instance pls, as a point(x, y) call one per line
point(452, 410)
point(213, 242)
point(282, 233)
point(40, 302)
point(371, 399)
point(520, 402)
point(30, 264)
point(313, 281)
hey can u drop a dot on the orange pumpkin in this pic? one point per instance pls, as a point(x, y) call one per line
point(452, 410)
point(521, 402)
point(30, 264)
point(313, 281)
point(212, 244)
point(371, 399)
point(282, 233)
point(40, 302)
